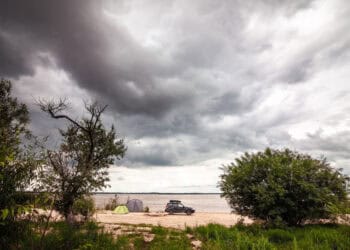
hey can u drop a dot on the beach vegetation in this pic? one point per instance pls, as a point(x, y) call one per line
point(284, 187)
point(84, 206)
point(112, 203)
point(326, 236)
point(80, 165)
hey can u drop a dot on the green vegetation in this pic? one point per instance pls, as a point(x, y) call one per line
point(257, 237)
point(19, 158)
point(91, 236)
point(112, 204)
point(14, 174)
point(84, 206)
point(284, 187)
point(62, 235)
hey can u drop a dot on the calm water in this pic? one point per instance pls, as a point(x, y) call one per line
point(157, 202)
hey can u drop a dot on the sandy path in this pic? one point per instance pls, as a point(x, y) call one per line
point(174, 221)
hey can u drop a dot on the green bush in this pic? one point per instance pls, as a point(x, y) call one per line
point(84, 206)
point(282, 187)
point(112, 204)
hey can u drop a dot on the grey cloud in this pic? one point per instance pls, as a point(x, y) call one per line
point(152, 155)
point(232, 103)
point(334, 147)
point(298, 72)
point(336, 143)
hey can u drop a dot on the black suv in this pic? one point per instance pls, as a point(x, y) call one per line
point(175, 206)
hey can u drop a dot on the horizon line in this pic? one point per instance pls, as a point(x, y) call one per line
point(154, 193)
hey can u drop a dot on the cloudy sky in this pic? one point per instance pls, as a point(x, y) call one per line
point(190, 84)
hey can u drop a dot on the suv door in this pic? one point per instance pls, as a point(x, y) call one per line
point(180, 208)
point(170, 207)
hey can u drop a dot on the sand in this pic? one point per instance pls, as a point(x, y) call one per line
point(174, 221)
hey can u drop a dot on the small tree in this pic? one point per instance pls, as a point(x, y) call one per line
point(282, 186)
point(17, 159)
point(80, 165)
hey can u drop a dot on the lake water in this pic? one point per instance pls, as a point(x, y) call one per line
point(157, 202)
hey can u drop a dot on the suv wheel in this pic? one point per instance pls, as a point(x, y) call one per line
point(188, 212)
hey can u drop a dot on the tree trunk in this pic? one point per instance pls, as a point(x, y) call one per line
point(68, 212)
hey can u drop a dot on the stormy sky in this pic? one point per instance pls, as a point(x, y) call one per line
point(190, 84)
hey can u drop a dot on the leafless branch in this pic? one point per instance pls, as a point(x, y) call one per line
point(53, 108)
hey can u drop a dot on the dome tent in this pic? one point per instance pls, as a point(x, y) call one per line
point(135, 205)
point(121, 209)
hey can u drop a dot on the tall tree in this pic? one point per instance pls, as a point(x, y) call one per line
point(80, 164)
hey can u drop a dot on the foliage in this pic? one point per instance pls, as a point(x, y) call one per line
point(89, 235)
point(65, 236)
point(282, 187)
point(80, 165)
point(19, 158)
point(84, 206)
point(14, 173)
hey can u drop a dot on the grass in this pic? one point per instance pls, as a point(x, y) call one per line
point(91, 236)
point(256, 237)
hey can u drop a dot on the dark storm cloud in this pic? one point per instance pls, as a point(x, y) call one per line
point(15, 60)
point(80, 40)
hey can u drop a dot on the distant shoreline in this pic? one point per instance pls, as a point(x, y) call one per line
point(158, 193)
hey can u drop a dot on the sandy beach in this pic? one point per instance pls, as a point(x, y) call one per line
point(174, 221)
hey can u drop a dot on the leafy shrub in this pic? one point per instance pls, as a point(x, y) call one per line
point(112, 204)
point(84, 206)
point(282, 186)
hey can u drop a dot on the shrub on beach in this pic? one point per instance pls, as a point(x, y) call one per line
point(283, 187)
point(84, 206)
point(112, 204)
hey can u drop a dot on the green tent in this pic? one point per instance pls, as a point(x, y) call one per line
point(121, 209)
